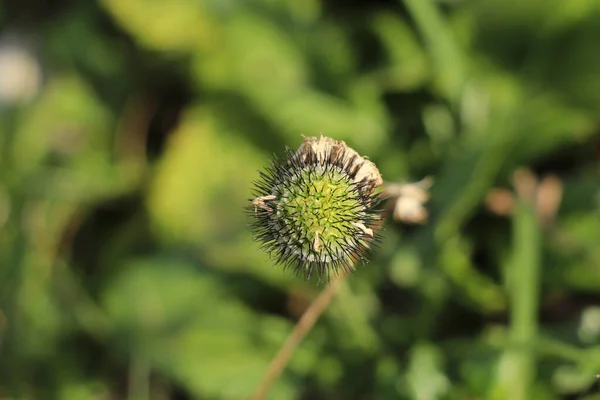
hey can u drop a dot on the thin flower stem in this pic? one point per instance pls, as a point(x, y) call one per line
point(304, 325)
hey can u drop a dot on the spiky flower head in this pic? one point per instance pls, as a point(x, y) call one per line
point(316, 209)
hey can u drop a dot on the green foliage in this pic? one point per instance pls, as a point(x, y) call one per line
point(126, 266)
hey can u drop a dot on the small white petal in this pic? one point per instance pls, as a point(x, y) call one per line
point(363, 228)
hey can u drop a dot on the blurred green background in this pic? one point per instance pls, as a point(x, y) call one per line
point(131, 131)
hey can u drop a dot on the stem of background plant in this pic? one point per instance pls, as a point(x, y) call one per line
point(442, 47)
point(139, 377)
point(304, 325)
point(517, 372)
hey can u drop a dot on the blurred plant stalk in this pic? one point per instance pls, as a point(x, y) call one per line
point(446, 55)
point(517, 366)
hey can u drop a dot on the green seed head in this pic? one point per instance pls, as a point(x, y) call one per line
point(315, 208)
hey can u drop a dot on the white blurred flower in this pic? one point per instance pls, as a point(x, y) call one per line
point(589, 329)
point(20, 73)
